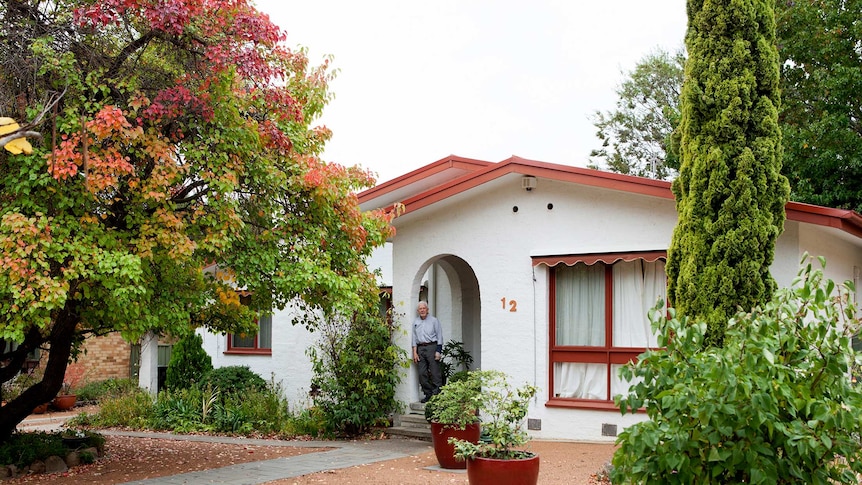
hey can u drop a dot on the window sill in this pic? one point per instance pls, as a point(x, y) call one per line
point(248, 352)
point(584, 404)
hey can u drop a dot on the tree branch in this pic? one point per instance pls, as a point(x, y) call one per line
point(19, 133)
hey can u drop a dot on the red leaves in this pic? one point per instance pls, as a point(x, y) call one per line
point(177, 102)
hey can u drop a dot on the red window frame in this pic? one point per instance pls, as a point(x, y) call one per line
point(606, 354)
point(256, 349)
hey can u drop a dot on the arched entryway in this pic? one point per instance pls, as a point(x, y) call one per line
point(451, 289)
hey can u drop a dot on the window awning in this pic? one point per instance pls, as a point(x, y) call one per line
point(593, 258)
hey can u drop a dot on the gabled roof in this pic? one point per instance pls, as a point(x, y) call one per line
point(454, 175)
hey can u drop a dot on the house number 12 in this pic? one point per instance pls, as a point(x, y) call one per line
point(513, 305)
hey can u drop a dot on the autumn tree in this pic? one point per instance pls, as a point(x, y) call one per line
point(176, 135)
point(636, 135)
point(730, 194)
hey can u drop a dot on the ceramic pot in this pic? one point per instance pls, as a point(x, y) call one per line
point(491, 471)
point(440, 434)
point(64, 402)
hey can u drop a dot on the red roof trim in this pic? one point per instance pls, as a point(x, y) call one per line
point(563, 173)
point(843, 219)
point(591, 259)
point(441, 165)
point(481, 172)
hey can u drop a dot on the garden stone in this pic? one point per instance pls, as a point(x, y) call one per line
point(37, 466)
point(73, 459)
point(54, 464)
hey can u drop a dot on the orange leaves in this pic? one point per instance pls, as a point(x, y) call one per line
point(165, 230)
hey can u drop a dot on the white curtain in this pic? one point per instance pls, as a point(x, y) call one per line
point(584, 381)
point(580, 321)
point(580, 305)
point(637, 287)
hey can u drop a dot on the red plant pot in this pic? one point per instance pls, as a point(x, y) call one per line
point(491, 471)
point(64, 402)
point(41, 409)
point(440, 434)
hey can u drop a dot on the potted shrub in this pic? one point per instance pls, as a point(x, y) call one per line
point(66, 399)
point(499, 460)
point(453, 414)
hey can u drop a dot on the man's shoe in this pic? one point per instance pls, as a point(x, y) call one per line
point(425, 399)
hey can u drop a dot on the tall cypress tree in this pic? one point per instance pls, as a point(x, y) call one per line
point(730, 194)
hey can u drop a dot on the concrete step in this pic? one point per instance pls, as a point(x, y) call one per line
point(423, 434)
point(413, 421)
point(412, 424)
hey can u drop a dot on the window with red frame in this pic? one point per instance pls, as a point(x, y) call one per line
point(599, 323)
point(259, 343)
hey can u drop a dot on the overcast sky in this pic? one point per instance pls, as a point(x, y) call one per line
point(481, 79)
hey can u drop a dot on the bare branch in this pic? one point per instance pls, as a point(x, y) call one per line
point(19, 133)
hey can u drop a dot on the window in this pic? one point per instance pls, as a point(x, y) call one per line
point(259, 343)
point(599, 323)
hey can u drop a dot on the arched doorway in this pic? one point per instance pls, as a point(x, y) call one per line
point(451, 289)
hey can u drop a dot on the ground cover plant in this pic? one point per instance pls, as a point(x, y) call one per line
point(22, 449)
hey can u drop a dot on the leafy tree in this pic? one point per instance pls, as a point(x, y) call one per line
point(176, 134)
point(189, 362)
point(775, 405)
point(636, 135)
point(729, 194)
point(821, 76)
point(821, 118)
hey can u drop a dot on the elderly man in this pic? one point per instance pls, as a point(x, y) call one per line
point(427, 350)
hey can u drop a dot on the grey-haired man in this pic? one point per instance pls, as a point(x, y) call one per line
point(427, 350)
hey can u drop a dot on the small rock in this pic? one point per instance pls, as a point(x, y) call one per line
point(73, 459)
point(54, 464)
point(92, 450)
point(37, 466)
point(5, 472)
point(14, 471)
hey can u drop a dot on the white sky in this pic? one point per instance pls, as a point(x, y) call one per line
point(481, 79)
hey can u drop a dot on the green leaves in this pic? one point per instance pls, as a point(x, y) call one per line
point(775, 404)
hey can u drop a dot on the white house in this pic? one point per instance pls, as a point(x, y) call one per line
point(510, 254)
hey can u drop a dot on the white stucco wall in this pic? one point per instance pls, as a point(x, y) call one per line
point(288, 363)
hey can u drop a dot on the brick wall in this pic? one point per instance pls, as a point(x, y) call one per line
point(106, 357)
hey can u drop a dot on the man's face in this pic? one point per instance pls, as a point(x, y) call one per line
point(423, 311)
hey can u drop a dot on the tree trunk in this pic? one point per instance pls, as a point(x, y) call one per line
point(60, 341)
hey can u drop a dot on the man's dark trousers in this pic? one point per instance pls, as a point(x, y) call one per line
point(428, 364)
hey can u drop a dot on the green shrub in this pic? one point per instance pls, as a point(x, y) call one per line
point(774, 405)
point(356, 372)
point(309, 422)
point(86, 457)
point(189, 362)
point(131, 410)
point(22, 449)
point(263, 411)
point(98, 390)
point(234, 379)
point(179, 411)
